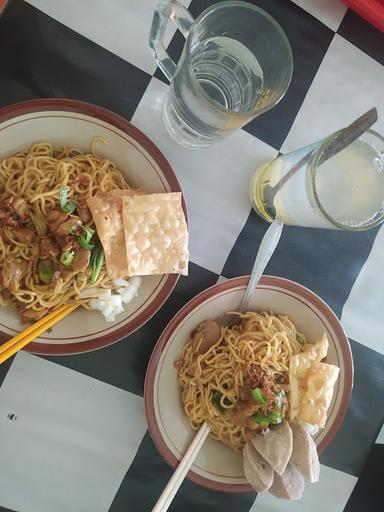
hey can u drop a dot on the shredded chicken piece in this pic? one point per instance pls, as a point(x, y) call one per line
point(48, 247)
point(207, 334)
point(14, 269)
point(54, 219)
point(35, 256)
point(67, 243)
point(15, 207)
point(21, 209)
point(257, 378)
point(61, 224)
point(25, 235)
point(84, 213)
point(79, 263)
point(30, 314)
point(242, 412)
point(13, 211)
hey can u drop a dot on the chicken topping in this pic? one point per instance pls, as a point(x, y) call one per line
point(13, 211)
point(79, 264)
point(29, 315)
point(25, 235)
point(21, 209)
point(206, 335)
point(14, 270)
point(61, 224)
point(84, 213)
point(263, 380)
point(48, 248)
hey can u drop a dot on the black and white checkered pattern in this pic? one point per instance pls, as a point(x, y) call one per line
point(73, 436)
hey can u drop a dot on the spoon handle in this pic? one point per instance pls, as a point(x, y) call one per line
point(266, 249)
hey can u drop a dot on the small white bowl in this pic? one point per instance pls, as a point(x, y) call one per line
point(75, 123)
point(218, 467)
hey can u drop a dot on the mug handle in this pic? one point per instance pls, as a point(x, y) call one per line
point(168, 10)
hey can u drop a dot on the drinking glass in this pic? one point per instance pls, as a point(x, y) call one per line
point(236, 64)
point(345, 191)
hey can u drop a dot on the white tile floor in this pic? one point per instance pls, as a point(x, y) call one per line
point(332, 482)
point(70, 440)
point(113, 25)
point(343, 67)
point(219, 208)
point(363, 304)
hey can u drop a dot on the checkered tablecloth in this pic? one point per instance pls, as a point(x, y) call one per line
point(73, 435)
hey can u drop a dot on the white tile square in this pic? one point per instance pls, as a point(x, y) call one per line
point(70, 442)
point(215, 180)
point(329, 494)
point(329, 12)
point(380, 437)
point(120, 26)
point(347, 84)
point(362, 315)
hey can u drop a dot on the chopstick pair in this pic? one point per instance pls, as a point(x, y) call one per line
point(181, 471)
point(10, 347)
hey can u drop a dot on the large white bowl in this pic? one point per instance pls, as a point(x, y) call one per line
point(217, 466)
point(73, 123)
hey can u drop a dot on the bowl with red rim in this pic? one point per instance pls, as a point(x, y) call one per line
point(217, 466)
point(64, 122)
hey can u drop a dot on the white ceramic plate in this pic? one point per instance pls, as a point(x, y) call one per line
point(217, 466)
point(72, 123)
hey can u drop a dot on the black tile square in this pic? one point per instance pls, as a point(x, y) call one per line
point(4, 367)
point(363, 35)
point(352, 444)
point(124, 364)
point(326, 261)
point(368, 493)
point(309, 40)
point(149, 474)
point(42, 58)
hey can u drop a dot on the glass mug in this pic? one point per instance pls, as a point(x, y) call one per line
point(345, 191)
point(236, 64)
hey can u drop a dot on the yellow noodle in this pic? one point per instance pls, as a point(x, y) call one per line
point(262, 338)
point(37, 175)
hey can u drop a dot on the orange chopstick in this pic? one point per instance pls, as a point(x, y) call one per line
point(10, 347)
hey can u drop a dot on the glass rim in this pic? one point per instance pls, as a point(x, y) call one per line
point(313, 170)
point(266, 15)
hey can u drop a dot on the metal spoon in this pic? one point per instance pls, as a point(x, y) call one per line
point(266, 249)
point(343, 138)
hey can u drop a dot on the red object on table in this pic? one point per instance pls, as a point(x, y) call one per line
point(370, 10)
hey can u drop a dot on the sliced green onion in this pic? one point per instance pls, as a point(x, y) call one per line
point(258, 396)
point(45, 273)
point(94, 255)
point(300, 338)
point(97, 263)
point(70, 207)
point(63, 197)
point(66, 258)
point(273, 418)
point(280, 398)
point(85, 238)
point(71, 227)
point(89, 232)
point(84, 244)
point(216, 400)
point(260, 418)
